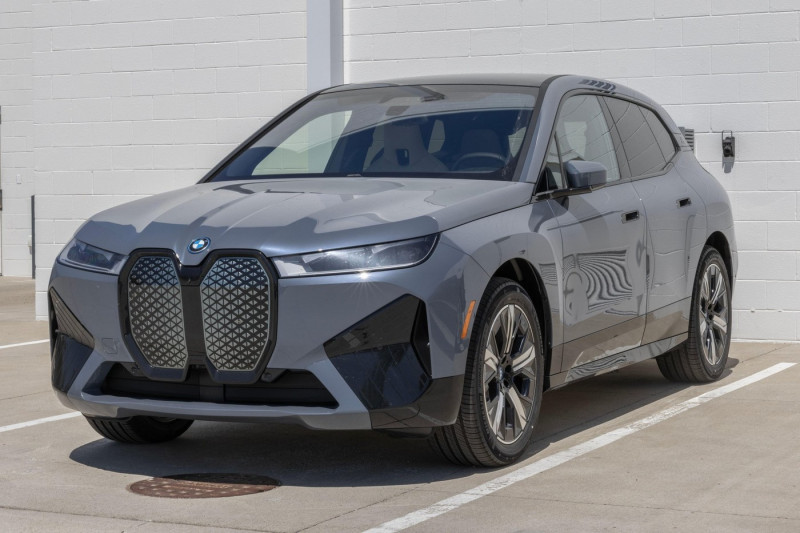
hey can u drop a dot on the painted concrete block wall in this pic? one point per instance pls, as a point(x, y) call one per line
point(136, 97)
point(16, 143)
point(107, 100)
point(714, 64)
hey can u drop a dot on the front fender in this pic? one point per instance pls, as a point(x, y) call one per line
point(529, 233)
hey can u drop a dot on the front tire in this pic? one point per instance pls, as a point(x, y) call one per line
point(502, 384)
point(703, 356)
point(139, 429)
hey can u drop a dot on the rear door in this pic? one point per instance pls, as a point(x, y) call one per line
point(603, 236)
point(674, 212)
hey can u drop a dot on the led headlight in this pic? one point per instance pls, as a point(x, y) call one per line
point(78, 254)
point(398, 254)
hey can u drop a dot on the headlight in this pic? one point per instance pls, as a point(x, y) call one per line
point(78, 254)
point(397, 254)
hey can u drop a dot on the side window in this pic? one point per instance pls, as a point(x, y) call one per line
point(663, 137)
point(583, 134)
point(643, 151)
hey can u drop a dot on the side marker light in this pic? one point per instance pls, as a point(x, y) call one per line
point(465, 328)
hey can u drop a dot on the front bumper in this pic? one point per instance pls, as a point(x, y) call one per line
point(314, 315)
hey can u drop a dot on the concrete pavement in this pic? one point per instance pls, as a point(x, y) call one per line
point(731, 464)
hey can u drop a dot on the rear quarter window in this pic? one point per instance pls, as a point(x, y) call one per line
point(642, 149)
point(663, 136)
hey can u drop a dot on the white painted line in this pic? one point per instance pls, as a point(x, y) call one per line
point(38, 421)
point(23, 344)
point(542, 465)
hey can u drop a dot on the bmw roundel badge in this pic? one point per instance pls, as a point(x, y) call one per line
point(198, 245)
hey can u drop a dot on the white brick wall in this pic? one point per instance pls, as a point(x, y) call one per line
point(136, 97)
point(109, 100)
point(16, 130)
point(714, 64)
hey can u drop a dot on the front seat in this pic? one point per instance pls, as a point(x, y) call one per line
point(482, 140)
point(403, 151)
point(481, 150)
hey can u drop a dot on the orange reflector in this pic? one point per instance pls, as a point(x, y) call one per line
point(465, 329)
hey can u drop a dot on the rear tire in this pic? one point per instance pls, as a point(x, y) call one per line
point(139, 429)
point(502, 383)
point(703, 356)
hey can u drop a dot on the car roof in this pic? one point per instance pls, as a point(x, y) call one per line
point(571, 81)
point(523, 80)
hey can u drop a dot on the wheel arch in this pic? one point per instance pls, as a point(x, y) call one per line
point(524, 273)
point(719, 242)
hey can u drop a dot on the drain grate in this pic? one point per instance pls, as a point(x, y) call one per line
point(203, 485)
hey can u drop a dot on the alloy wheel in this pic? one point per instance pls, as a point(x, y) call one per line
point(509, 376)
point(713, 314)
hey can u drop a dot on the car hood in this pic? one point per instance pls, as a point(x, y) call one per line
point(282, 217)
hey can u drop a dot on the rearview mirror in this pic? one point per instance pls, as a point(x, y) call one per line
point(585, 173)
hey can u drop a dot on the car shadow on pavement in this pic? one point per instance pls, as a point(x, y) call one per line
point(300, 457)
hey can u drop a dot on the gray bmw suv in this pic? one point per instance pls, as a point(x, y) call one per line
point(424, 256)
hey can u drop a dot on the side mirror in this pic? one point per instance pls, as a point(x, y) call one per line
point(585, 173)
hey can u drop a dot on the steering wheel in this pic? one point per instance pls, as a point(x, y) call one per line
point(476, 155)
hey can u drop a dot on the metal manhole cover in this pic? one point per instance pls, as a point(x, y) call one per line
point(203, 485)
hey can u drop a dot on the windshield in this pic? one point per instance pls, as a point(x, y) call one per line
point(458, 131)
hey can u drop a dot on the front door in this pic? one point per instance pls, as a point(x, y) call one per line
point(603, 236)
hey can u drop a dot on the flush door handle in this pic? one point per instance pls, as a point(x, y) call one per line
point(683, 202)
point(630, 215)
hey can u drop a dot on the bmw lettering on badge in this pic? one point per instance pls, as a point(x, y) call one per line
point(198, 245)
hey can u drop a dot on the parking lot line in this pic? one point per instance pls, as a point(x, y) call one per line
point(38, 421)
point(542, 465)
point(23, 344)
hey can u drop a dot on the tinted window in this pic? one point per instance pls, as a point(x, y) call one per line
point(459, 131)
point(641, 148)
point(663, 137)
point(583, 134)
